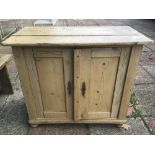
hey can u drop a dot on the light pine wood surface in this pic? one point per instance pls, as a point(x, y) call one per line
point(131, 73)
point(103, 71)
point(52, 71)
point(84, 30)
point(77, 36)
point(121, 74)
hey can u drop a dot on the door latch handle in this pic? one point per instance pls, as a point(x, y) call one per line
point(83, 89)
point(69, 87)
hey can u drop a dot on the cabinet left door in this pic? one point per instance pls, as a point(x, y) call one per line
point(51, 76)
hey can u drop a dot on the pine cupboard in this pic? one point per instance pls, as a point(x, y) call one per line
point(77, 74)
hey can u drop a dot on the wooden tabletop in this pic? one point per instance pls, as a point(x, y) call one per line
point(77, 36)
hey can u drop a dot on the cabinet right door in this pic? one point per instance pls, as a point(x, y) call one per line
point(99, 75)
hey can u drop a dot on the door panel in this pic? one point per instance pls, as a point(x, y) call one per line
point(95, 77)
point(51, 79)
point(54, 71)
point(103, 73)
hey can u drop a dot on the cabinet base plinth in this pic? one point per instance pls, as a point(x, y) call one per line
point(49, 121)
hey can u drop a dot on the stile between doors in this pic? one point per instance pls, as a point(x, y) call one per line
point(99, 75)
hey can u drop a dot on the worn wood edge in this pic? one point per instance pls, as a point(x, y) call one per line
point(77, 45)
point(75, 40)
point(106, 121)
point(129, 81)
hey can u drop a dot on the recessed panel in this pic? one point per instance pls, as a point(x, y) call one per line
point(51, 80)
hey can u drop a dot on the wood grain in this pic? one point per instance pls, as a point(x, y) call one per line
point(25, 81)
point(77, 36)
point(123, 63)
point(104, 121)
point(99, 74)
point(28, 54)
point(76, 84)
point(54, 72)
point(84, 30)
point(79, 41)
point(131, 72)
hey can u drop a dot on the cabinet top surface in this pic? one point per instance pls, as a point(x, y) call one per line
point(77, 36)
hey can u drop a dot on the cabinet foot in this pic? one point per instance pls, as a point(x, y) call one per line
point(34, 125)
point(125, 126)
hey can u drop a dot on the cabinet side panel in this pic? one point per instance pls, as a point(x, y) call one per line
point(25, 81)
point(123, 63)
point(131, 72)
point(28, 54)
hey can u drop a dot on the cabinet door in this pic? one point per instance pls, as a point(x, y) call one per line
point(53, 71)
point(99, 75)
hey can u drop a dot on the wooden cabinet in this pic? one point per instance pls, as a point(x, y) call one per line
point(77, 75)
